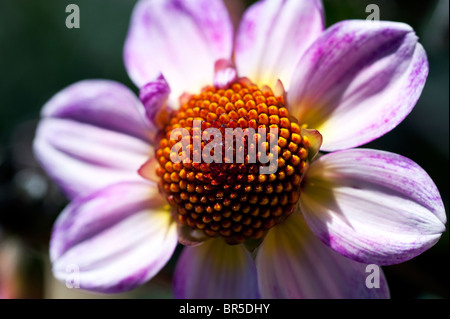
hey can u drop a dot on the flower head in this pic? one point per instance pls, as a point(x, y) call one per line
point(269, 217)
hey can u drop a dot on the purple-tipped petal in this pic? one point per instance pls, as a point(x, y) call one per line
point(93, 133)
point(272, 37)
point(114, 239)
point(293, 263)
point(182, 39)
point(103, 103)
point(358, 81)
point(215, 270)
point(82, 158)
point(154, 96)
point(372, 206)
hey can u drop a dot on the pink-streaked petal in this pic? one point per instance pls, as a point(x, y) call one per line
point(272, 37)
point(154, 96)
point(224, 73)
point(358, 81)
point(114, 239)
point(82, 158)
point(182, 39)
point(293, 263)
point(93, 133)
point(215, 270)
point(372, 206)
point(102, 103)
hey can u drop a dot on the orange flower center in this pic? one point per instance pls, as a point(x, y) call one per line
point(223, 196)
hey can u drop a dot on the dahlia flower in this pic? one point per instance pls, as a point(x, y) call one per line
point(309, 229)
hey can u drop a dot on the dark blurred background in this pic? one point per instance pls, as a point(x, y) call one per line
point(39, 56)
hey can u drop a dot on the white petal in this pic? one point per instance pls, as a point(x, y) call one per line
point(215, 270)
point(114, 239)
point(293, 263)
point(272, 37)
point(372, 206)
point(82, 158)
point(182, 39)
point(358, 81)
point(94, 133)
